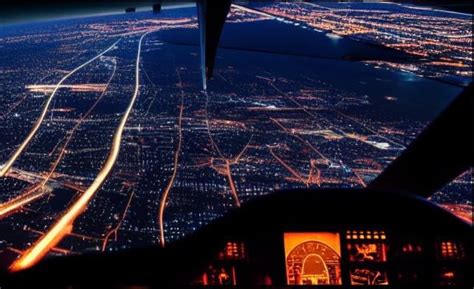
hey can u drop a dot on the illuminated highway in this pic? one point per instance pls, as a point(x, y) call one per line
point(290, 169)
point(37, 191)
point(74, 129)
point(38, 122)
point(164, 195)
point(30, 195)
point(235, 195)
point(227, 170)
point(64, 225)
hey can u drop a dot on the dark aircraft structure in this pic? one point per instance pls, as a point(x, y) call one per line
point(388, 234)
point(212, 15)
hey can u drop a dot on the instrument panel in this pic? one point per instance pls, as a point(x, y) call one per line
point(351, 257)
point(293, 238)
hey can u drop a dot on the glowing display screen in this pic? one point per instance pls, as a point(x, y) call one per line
point(368, 276)
point(313, 258)
point(373, 252)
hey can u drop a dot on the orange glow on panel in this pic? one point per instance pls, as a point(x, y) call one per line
point(313, 258)
point(232, 251)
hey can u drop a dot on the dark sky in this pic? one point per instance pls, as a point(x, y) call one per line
point(27, 10)
point(12, 11)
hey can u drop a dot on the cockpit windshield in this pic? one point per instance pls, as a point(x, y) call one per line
point(108, 140)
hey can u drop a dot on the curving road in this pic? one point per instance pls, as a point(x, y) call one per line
point(65, 224)
point(6, 167)
point(165, 194)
